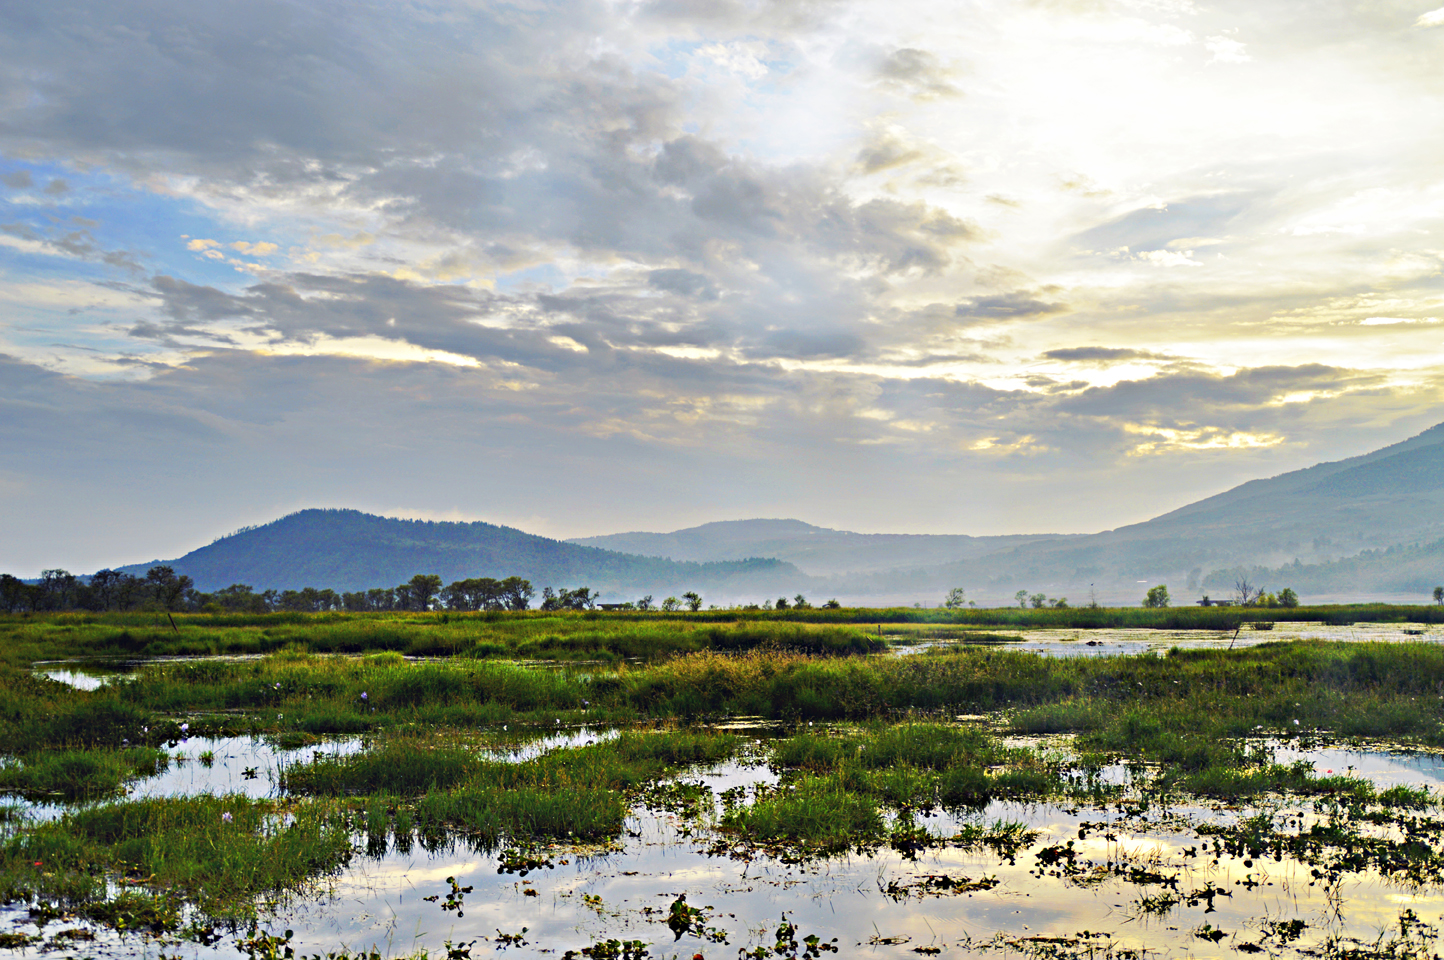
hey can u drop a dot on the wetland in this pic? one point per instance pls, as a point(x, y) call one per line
point(575, 786)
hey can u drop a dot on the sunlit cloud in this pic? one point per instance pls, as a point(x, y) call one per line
point(756, 247)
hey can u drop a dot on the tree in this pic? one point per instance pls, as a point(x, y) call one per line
point(15, 594)
point(1287, 597)
point(1061, 603)
point(421, 590)
point(781, 604)
point(1245, 593)
point(1439, 595)
point(670, 605)
point(694, 600)
point(168, 589)
point(581, 598)
point(1038, 600)
point(516, 593)
point(956, 599)
point(1022, 597)
point(832, 605)
point(105, 588)
point(1157, 597)
point(799, 602)
point(57, 589)
point(645, 603)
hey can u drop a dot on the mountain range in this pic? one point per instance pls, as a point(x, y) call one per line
point(347, 550)
point(1366, 527)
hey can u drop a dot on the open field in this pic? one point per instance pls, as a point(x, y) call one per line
point(628, 787)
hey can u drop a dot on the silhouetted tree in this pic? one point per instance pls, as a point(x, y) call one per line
point(15, 594)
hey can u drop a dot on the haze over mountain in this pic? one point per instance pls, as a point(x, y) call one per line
point(1392, 496)
point(347, 550)
point(1304, 529)
point(815, 550)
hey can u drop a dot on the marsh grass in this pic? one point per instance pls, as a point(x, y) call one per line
point(80, 774)
point(534, 635)
point(913, 765)
point(577, 793)
point(220, 853)
point(823, 810)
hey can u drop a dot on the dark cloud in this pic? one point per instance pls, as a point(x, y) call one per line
point(1102, 354)
point(683, 282)
point(19, 179)
point(1014, 305)
point(1197, 396)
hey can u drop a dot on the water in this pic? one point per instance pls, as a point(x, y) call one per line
point(876, 903)
point(1084, 643)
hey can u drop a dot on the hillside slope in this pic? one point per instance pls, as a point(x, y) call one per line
point(349, 550)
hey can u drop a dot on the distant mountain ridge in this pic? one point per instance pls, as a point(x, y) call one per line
point(347, 550)
point(1312, 525)
point(1317, 515)
point(818, 551)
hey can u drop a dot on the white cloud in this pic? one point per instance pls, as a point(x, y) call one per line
point(1226, 50)
point(1434, 18)
point(1169, 258)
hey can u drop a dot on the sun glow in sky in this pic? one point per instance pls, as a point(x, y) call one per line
point(583, 267)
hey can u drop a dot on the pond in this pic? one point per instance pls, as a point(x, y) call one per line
point(1134, 876)
point(1113, 642)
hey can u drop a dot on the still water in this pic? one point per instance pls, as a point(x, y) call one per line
point(1169, 902)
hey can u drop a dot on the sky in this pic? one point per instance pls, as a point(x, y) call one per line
point(587, 267)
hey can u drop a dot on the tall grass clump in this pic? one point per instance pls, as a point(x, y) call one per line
point(220, 852)
point(80, 774)
point(813, 809)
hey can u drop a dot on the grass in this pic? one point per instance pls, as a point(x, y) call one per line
point(532, 635)
point(1194, 717)
point(1392, 690)
point(599, 636)
point(80, 774)
point(217, 852)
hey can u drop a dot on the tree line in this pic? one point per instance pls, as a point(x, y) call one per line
point(163, 588)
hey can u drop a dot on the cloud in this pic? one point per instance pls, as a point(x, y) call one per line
point(683, 282)
point(886, 151)
point(722, 236)
point(1434, 18)
point(918, 73)
point(1101, 354)
point(1015, 305)
point(1226, 50)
